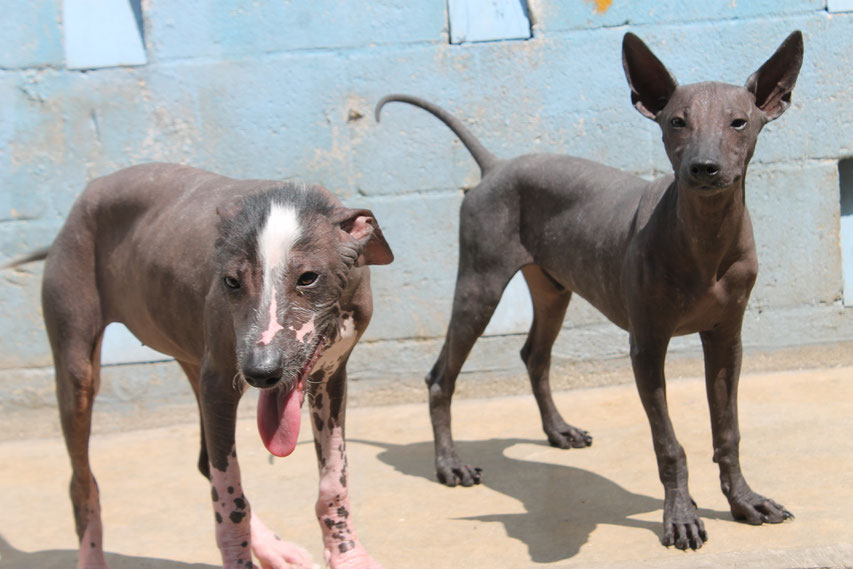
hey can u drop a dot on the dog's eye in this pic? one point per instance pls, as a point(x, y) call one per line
point(739, 124)
point(231, 282)
point(307, 279)
point(678, 122)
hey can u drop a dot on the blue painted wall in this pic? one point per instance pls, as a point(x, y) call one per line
point(286, 89)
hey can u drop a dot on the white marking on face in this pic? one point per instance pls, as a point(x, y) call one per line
point(275, 241)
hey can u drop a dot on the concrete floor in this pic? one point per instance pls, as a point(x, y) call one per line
point(538, 506)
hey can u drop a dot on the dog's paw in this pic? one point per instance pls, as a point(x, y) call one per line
point(355, 558)
point(278, 554)
point(755, 509)
point(682, 526)
point(451, 472)
point(566, 436)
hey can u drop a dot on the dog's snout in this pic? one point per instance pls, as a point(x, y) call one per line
point(704, 170)
point(262, 371)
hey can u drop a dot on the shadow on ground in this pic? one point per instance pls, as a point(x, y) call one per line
point(11, 558)
point(563, 504)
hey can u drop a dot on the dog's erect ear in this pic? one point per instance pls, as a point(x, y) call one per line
point(360, 225)
point(773, 82)
point(651, 82)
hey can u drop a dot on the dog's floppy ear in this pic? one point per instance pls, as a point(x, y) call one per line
point(773, 82)
point(229, 210)
point(651, 82)
point(360, 225)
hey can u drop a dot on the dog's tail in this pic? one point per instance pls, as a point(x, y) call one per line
point(37, 255)
point(485, 159)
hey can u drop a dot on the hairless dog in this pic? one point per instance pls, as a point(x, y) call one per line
point(660, 259)
point(244, 282)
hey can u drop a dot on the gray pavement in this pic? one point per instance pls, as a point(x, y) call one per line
point(538, 506)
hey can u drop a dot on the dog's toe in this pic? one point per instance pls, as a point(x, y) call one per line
point(756, 510)
point(459, 475)
point(569, 437)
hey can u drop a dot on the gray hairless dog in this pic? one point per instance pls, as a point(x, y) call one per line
point(663, 258)
point(243, 282)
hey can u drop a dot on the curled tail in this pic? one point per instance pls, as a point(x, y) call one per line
point(485, 159)
point(37, 255)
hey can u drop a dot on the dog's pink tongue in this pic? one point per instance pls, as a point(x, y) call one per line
point(278, 420)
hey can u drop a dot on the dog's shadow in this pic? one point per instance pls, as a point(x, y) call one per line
point(11, 558)
point(562, 504)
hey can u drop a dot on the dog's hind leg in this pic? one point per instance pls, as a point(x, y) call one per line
point(193, 373)
point(75, 328)
point(550, 302)
point(477, 295)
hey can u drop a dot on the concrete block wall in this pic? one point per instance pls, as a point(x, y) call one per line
point(286, 90)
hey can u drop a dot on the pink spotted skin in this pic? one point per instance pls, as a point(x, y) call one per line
point(91, 552)
point(232, 513)
point(305, 332)
point(342, 549)
point(240, 533)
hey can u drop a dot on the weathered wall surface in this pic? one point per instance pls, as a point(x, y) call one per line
point(286, 89)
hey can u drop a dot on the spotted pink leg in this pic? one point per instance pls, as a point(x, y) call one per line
point(342, 549)
point(232, 513)
point(91, 552)
point(240, 533)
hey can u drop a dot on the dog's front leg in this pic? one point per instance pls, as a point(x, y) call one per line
point(218, 401)
point(342, 549)
point(681, 524)
point(723, 354)
point(239, 532)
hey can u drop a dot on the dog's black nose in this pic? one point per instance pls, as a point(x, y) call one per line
point(262, 369)
point(262, 378)
point(704, 170)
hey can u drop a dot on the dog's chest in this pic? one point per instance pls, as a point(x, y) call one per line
point(706, 307)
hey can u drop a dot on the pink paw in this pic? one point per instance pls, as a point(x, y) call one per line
point(355, 558)
point(278, 554)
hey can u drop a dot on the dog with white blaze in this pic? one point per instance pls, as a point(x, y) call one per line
point(245, 283)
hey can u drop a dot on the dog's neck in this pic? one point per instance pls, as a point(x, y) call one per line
point(708, 226)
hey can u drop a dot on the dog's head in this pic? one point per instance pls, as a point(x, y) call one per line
point(285, 258)
point(710, 129)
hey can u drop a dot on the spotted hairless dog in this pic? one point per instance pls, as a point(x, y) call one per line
point(244, 282)
point(660, 259)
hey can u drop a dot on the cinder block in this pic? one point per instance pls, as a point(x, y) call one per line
point(554, 15)
point(31, 34)
point(25, 344)
point(412, 296)
point(795, 215)
point(222, 29)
